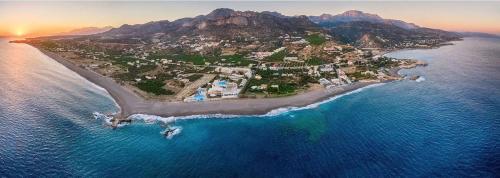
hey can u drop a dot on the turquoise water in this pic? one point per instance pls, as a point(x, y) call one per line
point(447, 125)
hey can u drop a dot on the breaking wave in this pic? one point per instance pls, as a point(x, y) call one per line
point(280, 111)
point(175, 131)
point(275, 112)
point(106, 118)
point(154, 119)
point(420, 79)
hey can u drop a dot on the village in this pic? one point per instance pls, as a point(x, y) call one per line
point(201, 68)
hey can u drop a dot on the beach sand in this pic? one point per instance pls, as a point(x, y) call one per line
point(130, 103)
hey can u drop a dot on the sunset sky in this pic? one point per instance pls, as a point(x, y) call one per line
point(45, 18)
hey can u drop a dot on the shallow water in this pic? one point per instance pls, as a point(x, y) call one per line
point(446, 125)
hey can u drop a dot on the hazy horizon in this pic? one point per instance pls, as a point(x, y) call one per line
point(46, 18)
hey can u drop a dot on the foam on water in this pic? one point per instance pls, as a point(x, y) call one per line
point(177, 130)
point(420, 79)
point(152, 118)
point(107, 118)
point(104, 117)
point(280, 111)
point(275, 112)
point(446, 128)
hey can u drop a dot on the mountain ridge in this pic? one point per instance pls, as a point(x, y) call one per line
point(378, 35)
point(84, 31)
point(356, 15)
point(351, 27)
point(224, 23)
point(479, 34)
point(370, 30)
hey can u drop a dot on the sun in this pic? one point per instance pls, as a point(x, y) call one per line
point(19, 32)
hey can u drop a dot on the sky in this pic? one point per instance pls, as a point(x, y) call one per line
point(37, 18)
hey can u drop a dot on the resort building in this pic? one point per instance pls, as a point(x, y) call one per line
point(200, 95)
point(223, 89)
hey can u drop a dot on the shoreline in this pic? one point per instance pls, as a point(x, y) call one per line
point(130, 103)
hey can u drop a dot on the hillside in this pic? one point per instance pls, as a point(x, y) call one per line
point(220, 23)
point(372, 31)
point(377, 35)
point(328, 20)
point(352, 27)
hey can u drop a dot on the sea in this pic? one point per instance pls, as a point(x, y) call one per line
point(445, 124)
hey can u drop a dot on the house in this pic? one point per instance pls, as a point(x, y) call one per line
point(336, 82)
point(292, 59)
point(279, 50)
point(235, 71)
point(324, 82)
point(231, 91)
point(327, 68)
point(260, 55)
point(258, 77)
point(302, 41)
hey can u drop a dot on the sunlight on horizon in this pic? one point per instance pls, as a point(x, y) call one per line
point(19, 32)
point(55, 17)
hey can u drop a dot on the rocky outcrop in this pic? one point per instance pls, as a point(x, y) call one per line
point(221, 23)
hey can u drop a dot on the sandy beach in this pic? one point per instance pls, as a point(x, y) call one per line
point(130, 103)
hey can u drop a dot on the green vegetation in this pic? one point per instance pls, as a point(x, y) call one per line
point(154, 86)
point(286, 86)
point(49, 44)
point(238, 60)
point(122, 41)
point(282, 89)
point(194, 77)
point(233, 58)
point(133, 72)
point(132, 64)
point(123, 60)
point(360, 76)
point(158, 55)
point(195, 59)
point(314, 61)
point(164, 76)
point(125, 76)
point(385, 62)
point(141, 69)
point(305, 79)
point(277, 57)
point(316, 39)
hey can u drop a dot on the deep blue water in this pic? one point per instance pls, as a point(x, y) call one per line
point(447, 126)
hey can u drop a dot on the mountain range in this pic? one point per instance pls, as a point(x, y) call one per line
point(352, 27)
point(370, 30)
point(85, 31)
point(222, 23)
point(328, 20)
point(478, 34)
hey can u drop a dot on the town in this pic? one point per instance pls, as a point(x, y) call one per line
point(202, 68)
